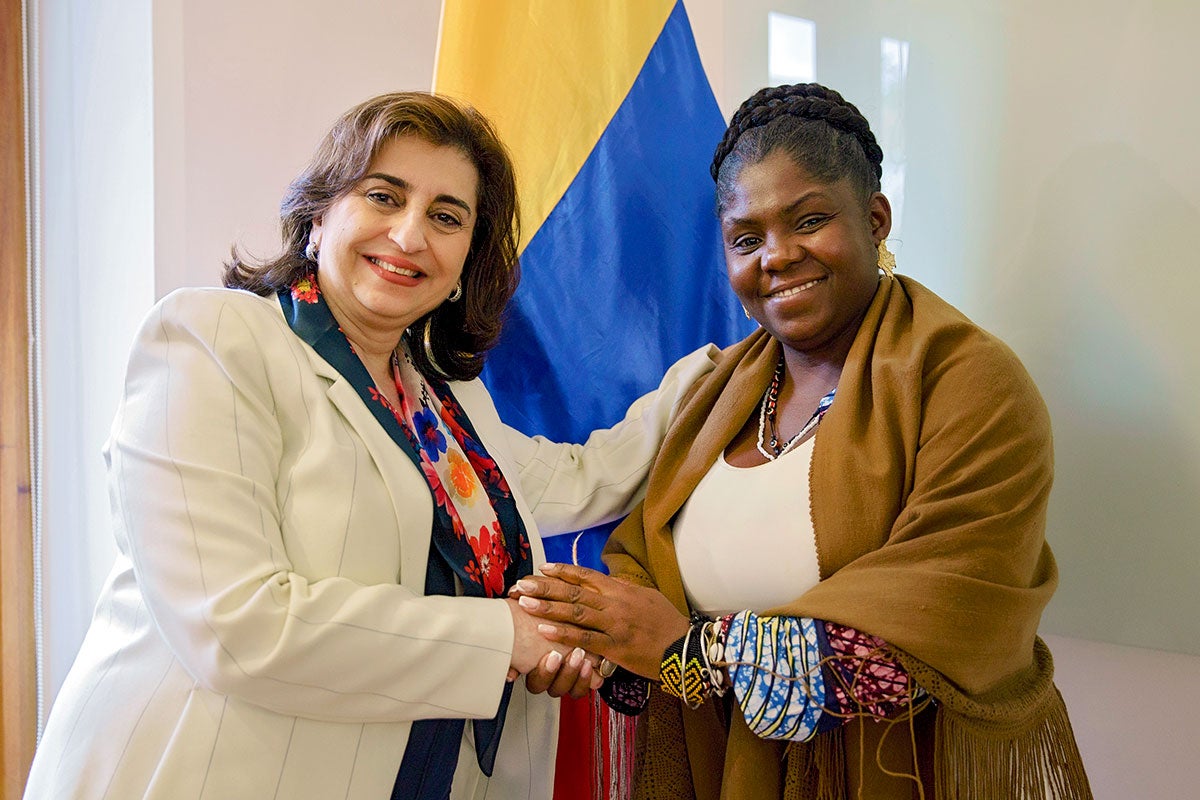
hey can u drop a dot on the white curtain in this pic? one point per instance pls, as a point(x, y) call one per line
point(93, 243)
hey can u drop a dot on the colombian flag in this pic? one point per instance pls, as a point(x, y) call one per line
point(611, 122)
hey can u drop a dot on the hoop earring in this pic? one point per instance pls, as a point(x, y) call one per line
point(886, 261)
point(310, 252)
point(746, 312)
point(457, 294)
point(428, 345)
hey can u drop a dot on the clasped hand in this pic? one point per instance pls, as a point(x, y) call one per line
point(629, 625)
point(548, 666)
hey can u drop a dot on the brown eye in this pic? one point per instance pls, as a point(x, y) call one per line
point(447, 219)
point(381, 198)
point(745, 243)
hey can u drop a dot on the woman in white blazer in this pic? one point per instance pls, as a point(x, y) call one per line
point(318, 511)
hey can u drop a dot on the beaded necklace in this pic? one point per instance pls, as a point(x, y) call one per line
point(766, 414)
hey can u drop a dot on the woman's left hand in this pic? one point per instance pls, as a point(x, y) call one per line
point(627, 624)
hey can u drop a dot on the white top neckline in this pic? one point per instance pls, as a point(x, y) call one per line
point(744, 539)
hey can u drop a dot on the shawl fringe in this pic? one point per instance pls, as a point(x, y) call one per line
point(973, 763)
point(1015, 741)
point(816, 771)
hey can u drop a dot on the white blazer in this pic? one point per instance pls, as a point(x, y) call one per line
point(264, 632)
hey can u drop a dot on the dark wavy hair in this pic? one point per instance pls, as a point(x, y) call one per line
point(821, 131)
point(459, 334)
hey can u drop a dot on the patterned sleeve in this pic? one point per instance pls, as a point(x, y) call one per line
point(796, 677)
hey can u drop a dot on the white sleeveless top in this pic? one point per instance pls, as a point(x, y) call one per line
point(744, 539)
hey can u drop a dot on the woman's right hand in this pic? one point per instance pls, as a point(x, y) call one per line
point(549, 667)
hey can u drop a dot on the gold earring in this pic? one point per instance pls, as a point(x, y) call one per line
point(747, 313)
point(427, 342)
point(886, 261)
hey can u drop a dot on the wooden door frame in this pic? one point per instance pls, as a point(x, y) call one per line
point(18, 691)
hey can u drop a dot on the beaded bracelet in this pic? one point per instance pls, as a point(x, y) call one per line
point(712, 635)
point(626, 692)
point(687, 670)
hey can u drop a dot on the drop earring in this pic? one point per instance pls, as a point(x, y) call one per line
point(886, 261)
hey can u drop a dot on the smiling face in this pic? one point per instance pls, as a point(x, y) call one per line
point(393, 247)
point(801, 254)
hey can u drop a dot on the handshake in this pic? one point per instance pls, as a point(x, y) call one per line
point(573, 626)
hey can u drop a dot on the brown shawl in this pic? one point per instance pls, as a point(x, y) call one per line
point(929, 484)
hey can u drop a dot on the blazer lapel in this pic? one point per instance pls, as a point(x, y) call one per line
point(405, 483)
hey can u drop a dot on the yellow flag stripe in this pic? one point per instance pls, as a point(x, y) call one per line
point(549, 74)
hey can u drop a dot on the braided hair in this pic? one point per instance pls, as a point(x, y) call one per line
point(826, 135)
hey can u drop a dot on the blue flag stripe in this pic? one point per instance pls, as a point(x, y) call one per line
point(626, 274)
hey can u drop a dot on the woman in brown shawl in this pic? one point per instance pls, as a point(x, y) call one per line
point(837, 574)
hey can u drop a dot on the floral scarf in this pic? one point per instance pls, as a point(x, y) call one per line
point(483, 545)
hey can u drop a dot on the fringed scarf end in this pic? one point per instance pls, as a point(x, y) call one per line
point(974, 760)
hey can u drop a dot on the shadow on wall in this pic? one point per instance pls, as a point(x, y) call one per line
point(1102, 297)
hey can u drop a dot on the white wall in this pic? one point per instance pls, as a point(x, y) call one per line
point(244, 91)
point(1090, 256)
point(1133, 711)
point(1050, 192)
